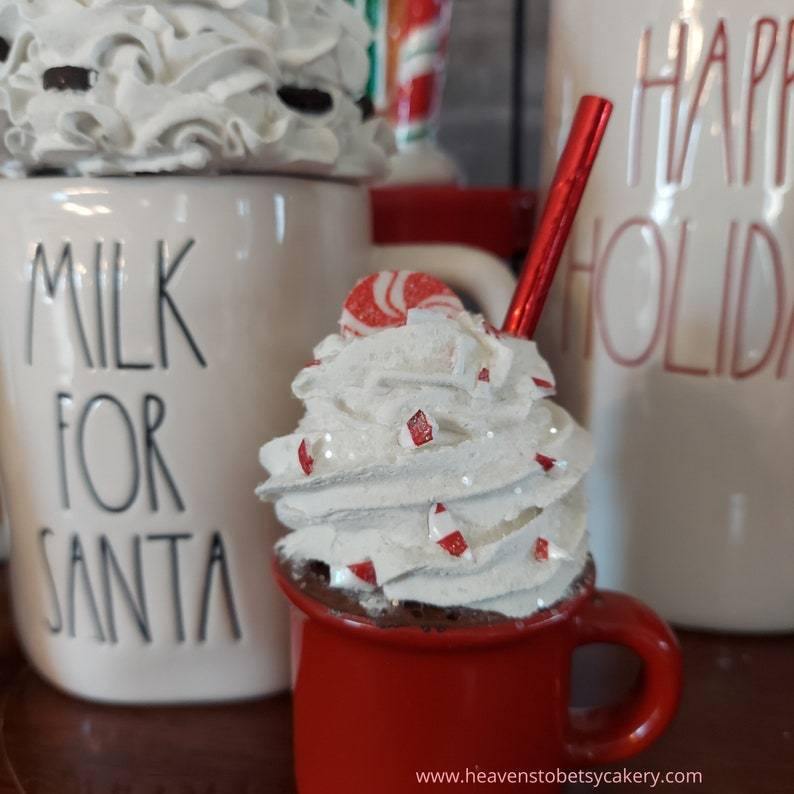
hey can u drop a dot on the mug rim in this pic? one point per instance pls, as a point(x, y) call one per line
point(507, 631)
point(144, 178)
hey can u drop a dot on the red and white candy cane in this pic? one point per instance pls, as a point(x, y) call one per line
point(419, 65)
point(382, 300)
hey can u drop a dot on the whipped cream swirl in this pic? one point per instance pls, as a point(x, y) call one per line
point(195, 86)
point(505, 462)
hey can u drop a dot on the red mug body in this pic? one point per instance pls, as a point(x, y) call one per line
point(396, 710)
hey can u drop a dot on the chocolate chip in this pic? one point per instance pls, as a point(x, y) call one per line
point(46, 171)
point(306, 100)
point(367, 107)
point(68, 78)
point(5, 48)
point(319, 569)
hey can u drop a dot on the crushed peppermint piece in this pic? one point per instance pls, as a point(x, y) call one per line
point(305, 459)
point(544, 385)
point(545, 462)
point(442, 531)
point(491, 329)
point(455, 545)
point(484, 375)
point(541, 550)
point(419, 430)
point(365, 571)
point(358, 576)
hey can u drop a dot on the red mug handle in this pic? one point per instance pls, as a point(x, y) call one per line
point(610, 733)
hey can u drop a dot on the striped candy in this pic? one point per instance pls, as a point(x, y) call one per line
point(383, 300)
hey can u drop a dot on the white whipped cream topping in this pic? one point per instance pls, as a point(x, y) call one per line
point(182, 85)
point(368, 496)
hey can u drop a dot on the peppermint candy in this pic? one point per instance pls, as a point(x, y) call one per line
point(383, 300)
point(442, 531)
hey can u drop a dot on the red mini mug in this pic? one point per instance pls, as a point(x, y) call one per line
point(375, 708)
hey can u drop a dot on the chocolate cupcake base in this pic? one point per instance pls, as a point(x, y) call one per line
point(313, 578)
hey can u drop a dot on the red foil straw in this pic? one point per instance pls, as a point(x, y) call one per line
point(565, 195)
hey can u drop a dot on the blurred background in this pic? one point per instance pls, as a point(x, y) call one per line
point(492, 116)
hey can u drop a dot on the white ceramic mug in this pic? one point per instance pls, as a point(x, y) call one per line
point(150, 329)
point(671, 325)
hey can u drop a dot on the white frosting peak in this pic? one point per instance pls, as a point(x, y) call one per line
point(505, 465)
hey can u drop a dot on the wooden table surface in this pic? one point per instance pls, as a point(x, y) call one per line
point(735, 726)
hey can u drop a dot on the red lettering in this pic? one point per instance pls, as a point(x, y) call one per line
point(718, 56)
point(727, 291)
point(788, 344)
point(601, 273)
point(588, 269)
point(669, 354)
point(785, 89)
point(645, 82)
point(762, 232)
point(758, 70)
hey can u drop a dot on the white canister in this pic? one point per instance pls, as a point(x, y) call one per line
point(671, 325)
point(149, 330)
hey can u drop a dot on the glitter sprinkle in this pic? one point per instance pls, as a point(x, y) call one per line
point(466, 480)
